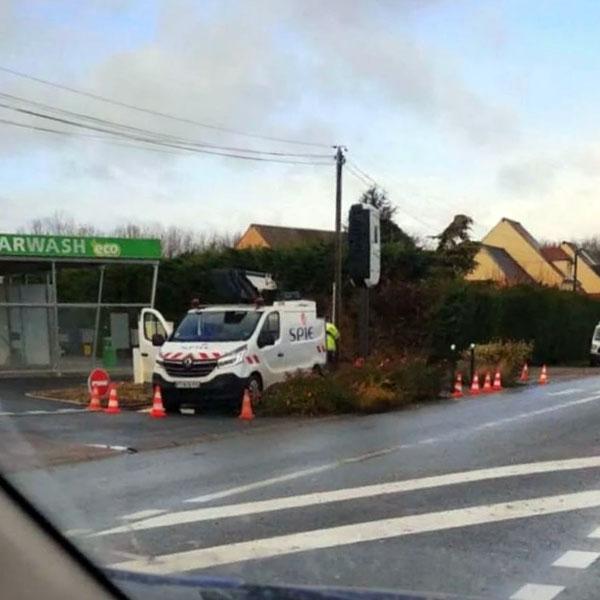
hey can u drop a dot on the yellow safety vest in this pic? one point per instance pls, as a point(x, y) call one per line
point(332, 335)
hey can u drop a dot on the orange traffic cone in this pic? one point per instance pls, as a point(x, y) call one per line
point(475, 385)
point(497, 381)
point(113, 402)
point(487, 384)
point(246, 414)
point(543, 375)
point(458, 392)
point(94, 404)
point(524, 373)
point(158, 410)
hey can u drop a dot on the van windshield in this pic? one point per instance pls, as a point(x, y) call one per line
point(597, 334)
point(217, 326)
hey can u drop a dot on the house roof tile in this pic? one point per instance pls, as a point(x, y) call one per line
point(279, 237)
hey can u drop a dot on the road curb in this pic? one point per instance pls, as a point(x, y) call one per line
point(36, 396)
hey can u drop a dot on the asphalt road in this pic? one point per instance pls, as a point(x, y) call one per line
point(490, 497)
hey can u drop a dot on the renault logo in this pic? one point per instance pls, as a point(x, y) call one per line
point(187, 362)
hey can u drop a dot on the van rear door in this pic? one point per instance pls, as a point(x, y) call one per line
point(304, 337)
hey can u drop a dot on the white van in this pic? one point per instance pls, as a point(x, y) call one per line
point(595, 347)
point(218, 351)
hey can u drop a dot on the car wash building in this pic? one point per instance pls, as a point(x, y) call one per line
point(69, 303)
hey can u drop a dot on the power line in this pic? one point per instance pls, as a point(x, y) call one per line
point(158, 113)
point(162, 136)
point(363, 173)
point(368, 183)
point(358, 176)
point(148, 140)
point(182, 148)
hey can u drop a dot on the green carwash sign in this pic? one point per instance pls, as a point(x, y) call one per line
point(67, 246)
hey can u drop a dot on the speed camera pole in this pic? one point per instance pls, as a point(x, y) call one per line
point(337, 303)
point(363, 323)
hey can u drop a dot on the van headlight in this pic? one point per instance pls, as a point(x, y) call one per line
point(233, 358)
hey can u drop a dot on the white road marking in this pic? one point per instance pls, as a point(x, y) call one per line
point(320, 498)
point(262, 483)
point(595, 533)
point(537, 591)
point(108, 447)
point(77, 532)
point(143, 514)
point(565, 392)
point(383, 452)
point(32, 413)
point(360, 532)
point(576, 559)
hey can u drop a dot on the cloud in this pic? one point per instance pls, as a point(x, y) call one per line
point(544, 172)
point(303, 69)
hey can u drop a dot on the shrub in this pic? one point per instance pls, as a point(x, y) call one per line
point(381, 384)
point(307, 395)
point(508, 356)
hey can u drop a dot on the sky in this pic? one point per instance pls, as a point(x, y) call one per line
point(489, 109)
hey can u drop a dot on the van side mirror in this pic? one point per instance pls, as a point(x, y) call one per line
point(158, 339)
point(266, 338)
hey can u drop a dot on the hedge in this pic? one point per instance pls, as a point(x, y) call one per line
point(419, 303)
point(558, 323)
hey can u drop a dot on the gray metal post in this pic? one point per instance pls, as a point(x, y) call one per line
point(472, 366)
point(363, 323)
point(98, 309)
point(154, 283)
point(56, 359)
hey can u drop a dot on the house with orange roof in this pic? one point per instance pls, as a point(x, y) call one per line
point(510, 255)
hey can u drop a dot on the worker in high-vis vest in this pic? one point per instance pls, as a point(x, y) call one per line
point(332, 334)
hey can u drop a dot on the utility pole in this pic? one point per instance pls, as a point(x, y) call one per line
point(337, 304)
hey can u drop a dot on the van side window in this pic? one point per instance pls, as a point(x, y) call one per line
point(270, 328)
point(272, 324)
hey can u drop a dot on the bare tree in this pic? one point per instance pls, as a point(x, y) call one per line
point(59, 223)
point(175, 241)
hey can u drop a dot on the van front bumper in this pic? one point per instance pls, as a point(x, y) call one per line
point(226, 387)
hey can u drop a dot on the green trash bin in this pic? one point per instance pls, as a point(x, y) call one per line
point(109, 355)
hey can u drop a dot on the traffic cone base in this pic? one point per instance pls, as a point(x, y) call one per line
point(113, 402)
point(474, 390)
point(487, 384)
point(458, 392)
point(94, 405)
point(158, 410)
point(246, 413)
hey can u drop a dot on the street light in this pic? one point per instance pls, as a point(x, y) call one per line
point(576, 252)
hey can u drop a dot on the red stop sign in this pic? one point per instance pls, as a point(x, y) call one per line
point(100, 380)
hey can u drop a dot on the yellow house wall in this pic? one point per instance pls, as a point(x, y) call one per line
point(505, 236)
point(486, 269)
point(251, 239)
point(590, 281)
point(565, 266)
